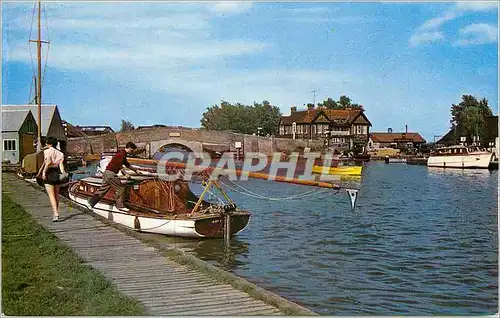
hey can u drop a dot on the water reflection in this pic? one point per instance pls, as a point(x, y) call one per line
point(467, 173)
point(214, 251)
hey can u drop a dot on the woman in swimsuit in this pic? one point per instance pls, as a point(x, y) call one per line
point(52, 167)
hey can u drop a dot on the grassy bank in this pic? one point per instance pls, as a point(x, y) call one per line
point(41, 276)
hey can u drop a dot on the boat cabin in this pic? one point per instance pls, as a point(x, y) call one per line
point(457, 151)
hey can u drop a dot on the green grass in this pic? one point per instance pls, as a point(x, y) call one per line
point(42, 276)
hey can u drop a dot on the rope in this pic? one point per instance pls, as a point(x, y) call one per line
point(250, 193)
point(48, 47)
point(29, 46)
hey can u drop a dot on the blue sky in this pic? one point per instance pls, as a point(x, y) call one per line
point(165, 62)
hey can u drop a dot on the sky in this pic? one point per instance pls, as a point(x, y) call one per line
point(166, 62)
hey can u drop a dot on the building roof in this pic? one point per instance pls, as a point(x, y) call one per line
point(72, 131)
point(13, 120)
point(48, 112)
point(339, 116)
point(151, 126)
point(396, 137)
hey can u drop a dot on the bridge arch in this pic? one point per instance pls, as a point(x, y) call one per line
point(158, 147)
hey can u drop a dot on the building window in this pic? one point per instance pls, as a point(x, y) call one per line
point(282, 130)
point(9, 145)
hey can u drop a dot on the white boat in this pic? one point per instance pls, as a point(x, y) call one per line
point(460, 157)
point(168, 208)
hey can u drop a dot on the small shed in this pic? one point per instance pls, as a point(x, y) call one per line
point(52, 124)
point(19, 129)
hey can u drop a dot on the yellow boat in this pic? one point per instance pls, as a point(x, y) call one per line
point(340, 170)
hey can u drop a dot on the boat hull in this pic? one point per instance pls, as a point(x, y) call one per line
point(340, 170)
point(478, 161)
point(194, 225)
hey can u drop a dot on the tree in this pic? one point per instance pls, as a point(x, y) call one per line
point(242, 118)
point(343, 103)
point(470, 116)
point(126, 126)
point(329, 104)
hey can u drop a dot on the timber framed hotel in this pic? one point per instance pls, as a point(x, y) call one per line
point(344, 128)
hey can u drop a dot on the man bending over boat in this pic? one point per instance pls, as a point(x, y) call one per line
point(110, 177)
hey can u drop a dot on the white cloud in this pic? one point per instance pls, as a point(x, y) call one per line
point(438, 21)
point(477, 6)
point(230, 7)
point(458, 10)
point(314, 10)
point(478, 33)
point(168, 52)
point(425, 37)
point(146, 38)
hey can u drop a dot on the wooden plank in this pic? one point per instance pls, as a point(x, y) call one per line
point(194, 299)
point(223, 310)
point(183, 293)
point(178, 288)
point(208, 302)
point(167, 276)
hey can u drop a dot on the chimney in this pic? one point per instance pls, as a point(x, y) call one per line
point(389, 130)
point(406, 128)
point(293, 109)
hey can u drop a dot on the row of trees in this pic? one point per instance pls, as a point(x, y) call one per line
point(469, 116)
point(343, 103)
point(259, 118)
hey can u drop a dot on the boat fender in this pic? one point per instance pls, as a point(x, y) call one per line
point(177, 187)
point(137, 224)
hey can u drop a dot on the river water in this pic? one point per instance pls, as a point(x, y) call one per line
point(421, 241)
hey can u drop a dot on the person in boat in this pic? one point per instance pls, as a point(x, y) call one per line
point(110, 177)
point(50, 173)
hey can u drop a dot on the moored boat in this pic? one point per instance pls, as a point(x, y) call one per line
point(339, 170)
point(460, 157)
point(163, 207)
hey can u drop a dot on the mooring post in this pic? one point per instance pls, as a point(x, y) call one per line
point(227, 228)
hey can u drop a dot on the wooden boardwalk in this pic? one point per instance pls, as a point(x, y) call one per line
point(164, 286)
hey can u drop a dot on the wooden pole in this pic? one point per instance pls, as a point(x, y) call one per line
point(201, 197)
point(227, 228)
point(39, 98)
point(239, 172)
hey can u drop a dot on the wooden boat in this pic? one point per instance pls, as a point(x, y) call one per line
point(162, 207)
point(460, 157)
point(170, 207)
point(339, 170)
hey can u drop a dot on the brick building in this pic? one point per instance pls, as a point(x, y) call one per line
point(344, 128)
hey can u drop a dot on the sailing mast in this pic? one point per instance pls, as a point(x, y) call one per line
point(38, 84)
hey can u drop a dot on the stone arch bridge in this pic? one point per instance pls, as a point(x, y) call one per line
point(152, 139)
